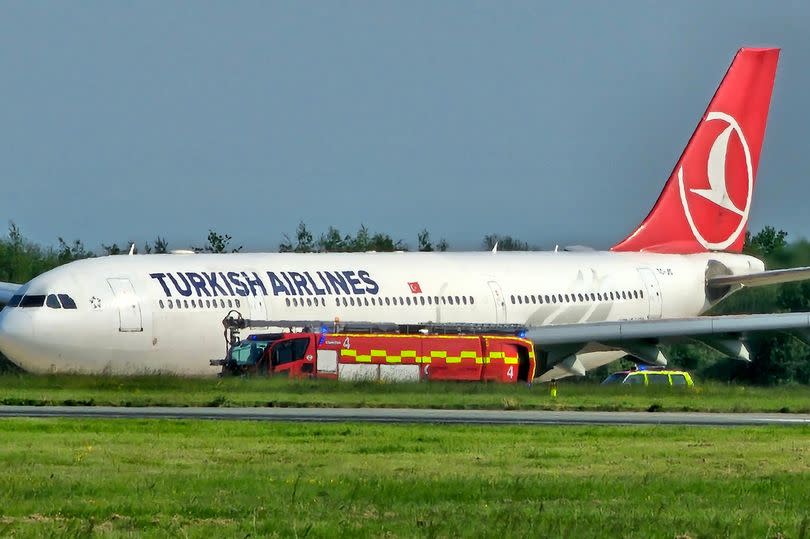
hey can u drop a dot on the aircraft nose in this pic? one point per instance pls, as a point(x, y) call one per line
point(16, 333)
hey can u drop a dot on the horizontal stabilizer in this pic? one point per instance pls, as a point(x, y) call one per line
point(761, 278)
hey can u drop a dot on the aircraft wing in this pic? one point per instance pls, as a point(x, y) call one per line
point(574, 349)
point(6, 291)
point(761, 278)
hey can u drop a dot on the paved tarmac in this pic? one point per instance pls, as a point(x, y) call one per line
point(403, 415)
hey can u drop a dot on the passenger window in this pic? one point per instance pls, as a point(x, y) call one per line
point(567, 299)
point(657, 378)
point(513, 299)
point(171, 305)
point(546, 298)
point(365, 301)
point(520, 300)
point(642, 294)
point(560, 298)
point(436, 300)
point(33, 301)
point(553, 299)
point(408, 301)
point(534, 298)
point(52, 302)
point(472, 300)
point(193, 303)
point(422, 300)
point(235, 301)
point(526, 300)
point(579, 296)
point(450, 299)
point(185, 303)
point(345, 303)
point(635, 379)
point(430, 300)
point(678, 379)
point(444, 299)
point(624, 296)
point(177, 303)
point(287, 301)
point(593, 296)
point(351, 302)
point(160, 302)
point(222, 303)
point(387, 301)
point(67, 301)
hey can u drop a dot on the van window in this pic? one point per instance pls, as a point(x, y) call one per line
point(678, 379)
point(658, 378)
point(635, 378)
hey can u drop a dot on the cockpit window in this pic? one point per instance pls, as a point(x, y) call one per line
point(14, 301)
point(33, 301)
point(52, 302)
point(67, 301)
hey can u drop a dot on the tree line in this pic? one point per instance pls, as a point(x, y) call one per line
point(778, 358)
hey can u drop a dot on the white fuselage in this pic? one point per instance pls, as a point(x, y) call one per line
point(150, 313)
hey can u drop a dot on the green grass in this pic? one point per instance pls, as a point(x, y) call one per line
point(179, 391)
point(116, 478)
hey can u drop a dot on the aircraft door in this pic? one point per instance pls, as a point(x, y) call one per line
point(257, 308)
point(653, 292)
point(129, 306)
point(500, 302)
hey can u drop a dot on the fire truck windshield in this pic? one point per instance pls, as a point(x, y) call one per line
point(248, 352)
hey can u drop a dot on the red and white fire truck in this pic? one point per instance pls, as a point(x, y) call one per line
point(384, 356)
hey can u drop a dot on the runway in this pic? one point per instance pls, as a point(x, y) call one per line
point(404, 415)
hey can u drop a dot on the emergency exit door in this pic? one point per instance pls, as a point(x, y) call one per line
point(129, 307)
point(500, 302)
point(653, 292)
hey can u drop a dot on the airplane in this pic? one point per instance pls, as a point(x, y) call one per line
point(582, 308)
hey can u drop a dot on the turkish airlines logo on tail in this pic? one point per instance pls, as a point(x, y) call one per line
point(723, 216)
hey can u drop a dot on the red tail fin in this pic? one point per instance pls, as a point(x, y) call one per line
point(705, 203)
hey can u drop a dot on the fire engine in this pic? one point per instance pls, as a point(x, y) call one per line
point(380, 355)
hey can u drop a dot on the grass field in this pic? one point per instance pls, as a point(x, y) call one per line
point(178, 391)
point(117, 478)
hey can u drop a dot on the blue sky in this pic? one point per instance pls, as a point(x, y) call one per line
point(555, 123)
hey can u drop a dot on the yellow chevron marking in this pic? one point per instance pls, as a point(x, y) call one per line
point(378, 353)
point(363, 359)
point(452, 359)
point(438, 353)
point(408, 353)
point(345, 352)
point(393, 359)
